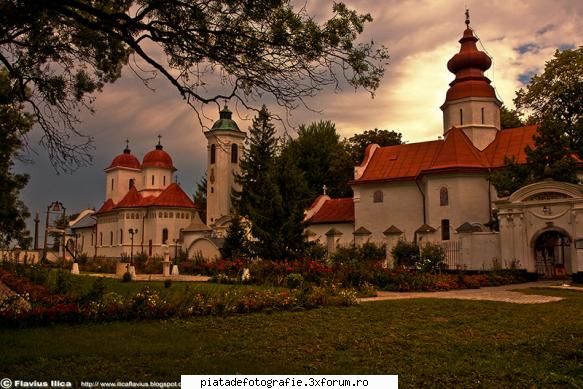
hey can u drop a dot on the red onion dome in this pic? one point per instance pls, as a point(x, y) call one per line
point(125, 160)
point(469, 56)
point(158, 158)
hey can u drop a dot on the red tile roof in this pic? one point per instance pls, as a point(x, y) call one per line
point(106, 207)
point(510, 143)
point(172, 196)
point(334, 211)
point(456, 152)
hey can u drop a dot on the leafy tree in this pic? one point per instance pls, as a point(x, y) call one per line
point(555, 99)
point(236, 245)
point(358, 142)
point(200, 197)
point(557, 95)
point(511, 178)
point(510, 118)
point(322, 158)
point(552, 157)
point(14, 123)
point(58, 54)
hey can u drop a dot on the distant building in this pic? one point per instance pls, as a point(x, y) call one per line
point(143, 198)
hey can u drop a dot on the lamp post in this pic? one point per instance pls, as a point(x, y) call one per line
point(132, 232)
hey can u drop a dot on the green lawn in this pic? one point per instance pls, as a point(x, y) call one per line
point(81, 285)
point(430, 343)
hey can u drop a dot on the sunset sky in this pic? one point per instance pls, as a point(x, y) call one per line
point(420, 35)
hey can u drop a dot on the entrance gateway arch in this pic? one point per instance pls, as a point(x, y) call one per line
point(541, 228)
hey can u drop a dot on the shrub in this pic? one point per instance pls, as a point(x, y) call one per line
point(63, 282)
point(294, 280)
point(406, 254)
point(99, 265)
point(432, 258)
point(315, 250)
point(369, 251)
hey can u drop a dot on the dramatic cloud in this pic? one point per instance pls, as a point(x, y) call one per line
point(420, 35)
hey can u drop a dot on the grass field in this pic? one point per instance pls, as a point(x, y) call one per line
point(81, 285)
point(446, 343)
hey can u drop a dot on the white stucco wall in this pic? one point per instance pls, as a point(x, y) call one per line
point(468, 200)
point(481, 133)
point(320, 230)
point(402, 206)
point(117, 182)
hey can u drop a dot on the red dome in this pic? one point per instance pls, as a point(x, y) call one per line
point(158, 158)
point(125, 160)
point(469, 56)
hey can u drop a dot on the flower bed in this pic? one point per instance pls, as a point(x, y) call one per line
point(37, 305)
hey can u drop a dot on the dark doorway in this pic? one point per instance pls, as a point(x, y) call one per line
point(552, 250)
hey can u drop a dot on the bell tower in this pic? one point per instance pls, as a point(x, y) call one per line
point(471, 103)
point(225, 148)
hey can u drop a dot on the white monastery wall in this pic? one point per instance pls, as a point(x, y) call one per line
point(320, 230)
point(402, 206)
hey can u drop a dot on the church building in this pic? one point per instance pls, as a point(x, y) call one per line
point(440, 191)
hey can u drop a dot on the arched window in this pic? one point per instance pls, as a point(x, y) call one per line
point(121, 236)
point(164, 180)
point(378, 196)
point(234, 153)
point(443, 197)
point(112, 184)
point(101, 238)
point(164, 235)
point(213, 153)
point(482, 115)
point(152, 179)
point(111, 238)
point(131, 183)
point(445, 229)
point(461, 116)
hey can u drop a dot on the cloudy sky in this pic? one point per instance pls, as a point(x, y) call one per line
point(421, 36)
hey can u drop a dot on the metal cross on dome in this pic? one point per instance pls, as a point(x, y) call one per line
point(159, 139)
point(467, 17)
point(324, 188)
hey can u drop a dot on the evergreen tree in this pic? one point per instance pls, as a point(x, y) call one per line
point(295, 198)
point(236, 245)
point(259, 200)
point(200, 198)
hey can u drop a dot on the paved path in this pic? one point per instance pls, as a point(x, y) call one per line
point(503, 293)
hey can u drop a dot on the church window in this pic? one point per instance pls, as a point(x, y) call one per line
point(131, 183)
point(111, 238)
point(482, 115)
point(164, 180)
point(461, 116)
point(445, 229)
point(152, 179)
point(160, 215)
point(112, 184)
point(120, 236)
point(234, 153)
point(101, 238)
point(213, 153)
point(165, 215)
point(443, 197)
point(171, 215)
point(91, 239)
point(378, 196)
point(164, 235)
point(212, 190)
